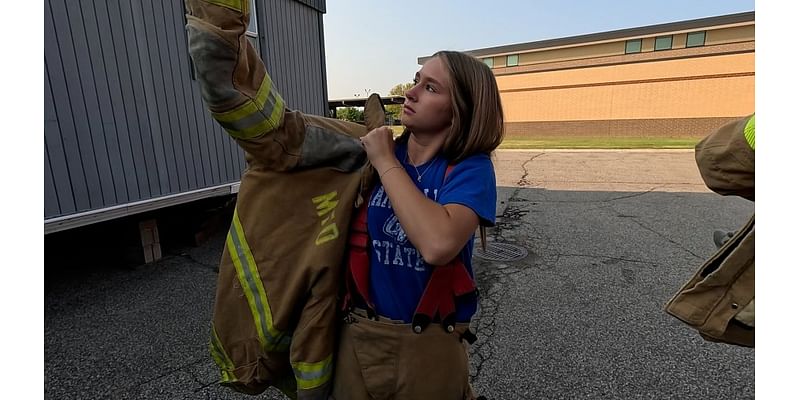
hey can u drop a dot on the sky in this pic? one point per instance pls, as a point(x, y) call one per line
point(372, 45)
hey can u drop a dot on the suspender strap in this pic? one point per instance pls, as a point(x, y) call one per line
point(357, 274)
point(447, 282)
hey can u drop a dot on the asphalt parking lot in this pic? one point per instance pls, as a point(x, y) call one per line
point(607, 238)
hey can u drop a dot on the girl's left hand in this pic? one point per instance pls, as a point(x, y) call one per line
point(379, 145)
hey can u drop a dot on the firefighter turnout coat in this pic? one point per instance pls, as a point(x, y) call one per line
point(719, 300)
point(274, 318)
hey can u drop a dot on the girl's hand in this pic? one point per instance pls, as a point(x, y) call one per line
point(379, 145)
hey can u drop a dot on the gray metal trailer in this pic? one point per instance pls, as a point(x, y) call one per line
point(126, 130)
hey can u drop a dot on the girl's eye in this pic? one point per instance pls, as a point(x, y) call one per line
point(430, 88)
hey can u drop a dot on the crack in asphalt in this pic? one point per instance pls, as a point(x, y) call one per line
point(627, 196)
point(523, 181)
point(492, 280)
point(190, 258)
point(632, 195)
point(202, 388)
point(680, 246)
point(635, 219)
point(494, 277)
point(601, 256)
point(172, 371)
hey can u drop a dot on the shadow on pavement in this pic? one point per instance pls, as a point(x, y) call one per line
point(579, 317)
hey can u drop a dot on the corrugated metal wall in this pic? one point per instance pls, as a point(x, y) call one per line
point(293, 34)
point(124, 120)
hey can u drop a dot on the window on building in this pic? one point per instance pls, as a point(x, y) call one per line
point(633, 46)
point(252, 27)
point(664, 43)
point(489, 61)
point(695, 39)
point(512, 60)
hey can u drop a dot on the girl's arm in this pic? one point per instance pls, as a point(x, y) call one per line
point(439, 232)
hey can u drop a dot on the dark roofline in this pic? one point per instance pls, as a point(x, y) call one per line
point(610, 35)
point(361, 101)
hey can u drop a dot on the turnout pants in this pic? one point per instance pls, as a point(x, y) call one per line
point(385, 359)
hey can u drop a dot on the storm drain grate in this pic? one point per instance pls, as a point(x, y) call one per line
point(501, 252)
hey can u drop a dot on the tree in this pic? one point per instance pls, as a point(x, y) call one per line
point(398, 90)
point(352, 114)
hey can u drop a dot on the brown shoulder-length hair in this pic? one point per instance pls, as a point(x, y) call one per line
point(477, 122)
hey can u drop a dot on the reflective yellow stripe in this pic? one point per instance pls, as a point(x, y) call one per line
point(264, 126)
point(312, 375)
point(221, 358)
point(249, 107)
point(237, 5)
point(750, 132)
point(246, 270)
point(256, 116)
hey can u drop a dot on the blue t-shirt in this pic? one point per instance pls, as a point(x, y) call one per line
point(398, 274)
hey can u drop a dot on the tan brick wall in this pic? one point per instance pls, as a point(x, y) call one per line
point(594, 89)
point(657, 69)
point(698, 87)
point(664, 127)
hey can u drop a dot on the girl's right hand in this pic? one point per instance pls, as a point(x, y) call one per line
point(379, 145)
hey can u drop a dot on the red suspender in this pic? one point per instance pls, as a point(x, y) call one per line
point(357, 266)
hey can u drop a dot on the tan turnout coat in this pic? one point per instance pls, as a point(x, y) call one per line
point(276, 301)
point(719, 300)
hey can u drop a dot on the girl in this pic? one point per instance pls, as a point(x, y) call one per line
point(436, 186)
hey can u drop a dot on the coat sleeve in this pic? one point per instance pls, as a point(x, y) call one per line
point(726, 159)
point(241, 96)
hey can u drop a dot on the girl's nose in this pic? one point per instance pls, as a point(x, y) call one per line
point(410, 93)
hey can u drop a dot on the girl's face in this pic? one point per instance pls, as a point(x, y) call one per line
point(428, 109)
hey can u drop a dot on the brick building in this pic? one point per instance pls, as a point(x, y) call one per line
point(678, 80)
